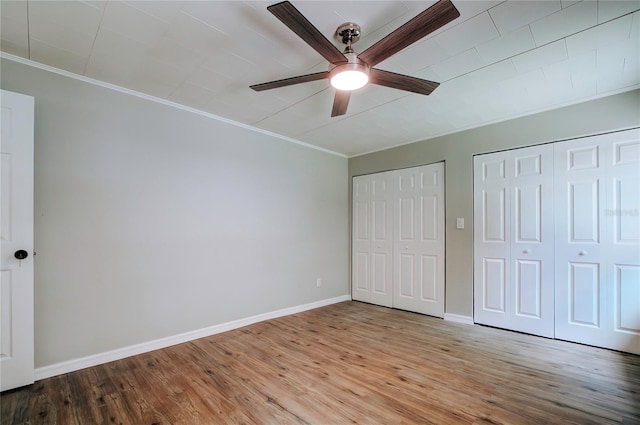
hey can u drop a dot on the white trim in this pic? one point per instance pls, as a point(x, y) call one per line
point(458, 318)
point(132, 350)
point(165, 102)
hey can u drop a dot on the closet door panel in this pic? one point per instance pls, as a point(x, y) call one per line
point(513, 240)
point(492, 252)
point(429, 282)
point(372, 239)
point(623, 238)
point(627, 290)
point(624, 178)
point(361, 275)
point(493, 296)
point(580, 276)
point(406, 280)
point(382, 239)
point(528, 288)
point(598, 241)
point(419, 240)
point(585, 294)
point(361, 239)
point(532, 234)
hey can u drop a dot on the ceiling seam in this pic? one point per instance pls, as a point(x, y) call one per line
point(494, 23)
point(93, 43)
point(290, 106)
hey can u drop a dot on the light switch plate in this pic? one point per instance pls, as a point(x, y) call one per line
point(460, 223)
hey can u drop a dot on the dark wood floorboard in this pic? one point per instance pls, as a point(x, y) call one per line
point(345, 363)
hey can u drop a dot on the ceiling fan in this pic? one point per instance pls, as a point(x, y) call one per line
point(349, 71)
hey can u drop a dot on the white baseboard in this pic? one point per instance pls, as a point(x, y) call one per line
point(132, 350)
point(458, 318)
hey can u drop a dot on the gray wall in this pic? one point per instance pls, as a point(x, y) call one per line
point(602, 115)
point(151, 221)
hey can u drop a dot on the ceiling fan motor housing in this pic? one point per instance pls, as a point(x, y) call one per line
point(354, 63)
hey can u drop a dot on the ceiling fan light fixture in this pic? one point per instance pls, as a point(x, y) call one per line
point(349, 76)
point(349, 80)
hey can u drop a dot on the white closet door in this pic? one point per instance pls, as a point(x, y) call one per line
point(598, 241)
point(513, 240)
point(623, 235)
point(372, 239)
point(492, 240)
point(532, 241)
point(361, 240)
point(398, 239)
point(419, 239)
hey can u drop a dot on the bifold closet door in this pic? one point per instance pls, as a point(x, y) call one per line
point(398, 239)
point(372, 241)
point(598, 240)
point(418, 247)
point(513, 240)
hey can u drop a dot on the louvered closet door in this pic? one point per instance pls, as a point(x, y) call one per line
point(598, 240)
point(419, 239)
point(372, 239)
point(513, 240)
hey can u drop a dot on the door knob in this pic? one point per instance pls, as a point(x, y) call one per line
point(582, 253)
point(406, 247)
point(21, 254)
point(526, 251)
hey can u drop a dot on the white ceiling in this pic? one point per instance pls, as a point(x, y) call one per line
point(499, 60)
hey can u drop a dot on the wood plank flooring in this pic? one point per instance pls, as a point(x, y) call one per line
point(345, 363)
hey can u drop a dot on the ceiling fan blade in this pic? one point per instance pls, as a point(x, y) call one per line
point(425, 23)
point(292, 18)
point(402, 82)
point(340, 103)
point(291, 81)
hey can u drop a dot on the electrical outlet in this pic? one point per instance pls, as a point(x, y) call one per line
point(318, 282)
point(460, 223)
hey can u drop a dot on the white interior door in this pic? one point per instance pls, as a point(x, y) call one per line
point(16, 233)
point(419, 239)
point(513, 240)
point(598, 241)
point(372, 239)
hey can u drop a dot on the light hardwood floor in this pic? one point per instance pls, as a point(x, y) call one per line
point(346, 363)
